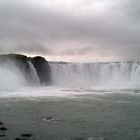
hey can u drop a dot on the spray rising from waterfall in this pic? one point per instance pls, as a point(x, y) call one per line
point(119, 74)
point(12, 77)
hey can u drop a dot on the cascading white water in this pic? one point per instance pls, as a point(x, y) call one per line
point(117, 74)
point(11, 77)
point(34, 75)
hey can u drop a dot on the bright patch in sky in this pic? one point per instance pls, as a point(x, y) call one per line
point(87, 7)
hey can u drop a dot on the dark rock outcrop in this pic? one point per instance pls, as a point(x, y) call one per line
point(43, 69)
point(22, 62)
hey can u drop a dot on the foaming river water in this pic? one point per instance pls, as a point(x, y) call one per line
point(99, 101)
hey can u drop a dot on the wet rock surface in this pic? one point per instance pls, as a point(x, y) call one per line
point(43, 69)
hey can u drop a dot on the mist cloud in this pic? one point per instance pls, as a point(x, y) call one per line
point(65, 27)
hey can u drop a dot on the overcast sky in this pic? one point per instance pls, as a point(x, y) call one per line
point(71, 30)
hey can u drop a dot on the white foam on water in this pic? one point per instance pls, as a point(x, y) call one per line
point(57, 92)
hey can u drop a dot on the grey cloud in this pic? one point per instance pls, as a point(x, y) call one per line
point(25, 28)
point(132, 10)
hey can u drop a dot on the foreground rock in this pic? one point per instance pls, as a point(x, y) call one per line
point(23, 64)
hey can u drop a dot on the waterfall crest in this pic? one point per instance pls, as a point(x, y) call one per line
point(115, 74)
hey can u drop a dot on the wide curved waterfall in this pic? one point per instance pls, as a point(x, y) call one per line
point(115, 74)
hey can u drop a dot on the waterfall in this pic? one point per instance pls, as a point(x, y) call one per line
point(115, 74)
point(33, 73)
